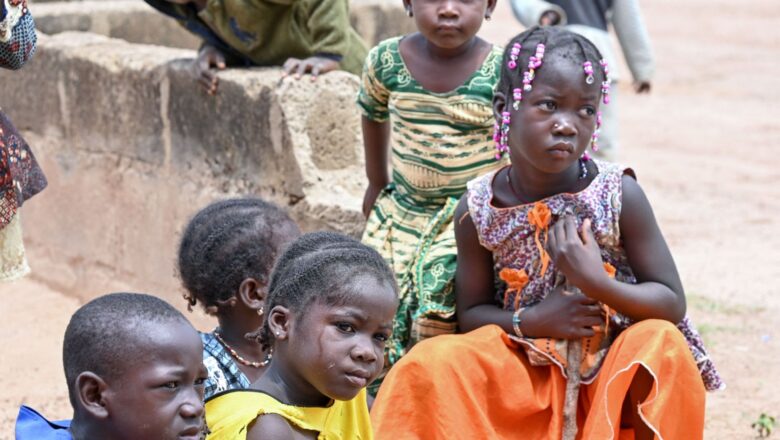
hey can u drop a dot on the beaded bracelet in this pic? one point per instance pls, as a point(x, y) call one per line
point(516, 322)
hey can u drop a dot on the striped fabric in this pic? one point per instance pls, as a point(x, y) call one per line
point(439, 142)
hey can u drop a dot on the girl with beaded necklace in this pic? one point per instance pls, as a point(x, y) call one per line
point(426, 102)
point(575, 309)
point(225, 259)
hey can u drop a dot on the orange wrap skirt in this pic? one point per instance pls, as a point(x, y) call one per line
point(480, 385)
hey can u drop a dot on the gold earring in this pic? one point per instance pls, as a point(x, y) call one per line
point(260, 311)
point(487, 17)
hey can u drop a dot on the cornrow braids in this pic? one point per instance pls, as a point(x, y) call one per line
point(522, 60)
point(316, 267)
point(228, 242)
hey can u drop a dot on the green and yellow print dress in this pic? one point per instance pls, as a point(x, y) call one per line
point(439, 141)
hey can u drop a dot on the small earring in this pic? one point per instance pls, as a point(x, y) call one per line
point(584, 165)
point(277, 334)
point(260, 311)
point(487, 17)
point(409, 12)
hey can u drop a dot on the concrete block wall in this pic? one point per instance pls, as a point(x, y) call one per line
point(130, 20)
point(133, 148)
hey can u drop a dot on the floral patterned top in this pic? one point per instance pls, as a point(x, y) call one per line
point(510, 236)
point(17, 34)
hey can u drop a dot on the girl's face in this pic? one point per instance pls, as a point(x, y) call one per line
point(449, 24)
point(338, 350)
point(555, 121)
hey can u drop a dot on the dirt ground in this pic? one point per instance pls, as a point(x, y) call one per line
point(702, 144)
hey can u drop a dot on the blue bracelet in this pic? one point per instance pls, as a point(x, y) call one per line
point(516, 322)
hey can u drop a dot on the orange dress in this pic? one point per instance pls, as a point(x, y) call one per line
point(481, 385)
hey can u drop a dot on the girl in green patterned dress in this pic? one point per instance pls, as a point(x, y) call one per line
point(426, 98)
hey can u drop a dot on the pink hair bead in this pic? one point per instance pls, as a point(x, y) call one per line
point(588, 68)
point(513, 54)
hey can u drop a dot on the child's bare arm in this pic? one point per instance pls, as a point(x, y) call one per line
point(658, 292)
point(376, 137)
point(270, 426)
point(474, 291)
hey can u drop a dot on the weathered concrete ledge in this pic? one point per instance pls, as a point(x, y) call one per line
point(130, 20)
point(136, 22)
point(132, 148)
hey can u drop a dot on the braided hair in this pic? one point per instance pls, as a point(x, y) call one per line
point(316, 267)
point(228, 242)
point(556, 42)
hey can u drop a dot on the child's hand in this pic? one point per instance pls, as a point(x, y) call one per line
point(562, 315)
point(549, 18)
point(576, 254)
point(642, 86)
point(372, 192)
point(314, 65)
point(209, 60)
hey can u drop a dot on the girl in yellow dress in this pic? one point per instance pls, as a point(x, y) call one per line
point(330, 311)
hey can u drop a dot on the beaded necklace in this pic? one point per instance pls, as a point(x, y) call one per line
point(240, 359)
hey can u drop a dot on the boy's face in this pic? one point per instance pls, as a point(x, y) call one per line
point(160, 396)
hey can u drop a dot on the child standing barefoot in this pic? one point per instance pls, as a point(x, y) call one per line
point(528, 235)
point(330, 310)
point(225, 259)
point(426, 100)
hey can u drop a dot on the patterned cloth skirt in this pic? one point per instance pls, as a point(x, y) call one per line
point(20, 179)
point(419, 245)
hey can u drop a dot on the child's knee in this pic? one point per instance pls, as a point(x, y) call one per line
point(657, 328)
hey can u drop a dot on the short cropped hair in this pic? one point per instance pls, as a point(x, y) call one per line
point(101, 335)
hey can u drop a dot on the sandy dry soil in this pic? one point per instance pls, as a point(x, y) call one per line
point(704, 146)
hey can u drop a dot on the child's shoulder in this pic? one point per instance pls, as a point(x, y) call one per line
point(613, 172)
point(271, 426)
point(482, 185)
